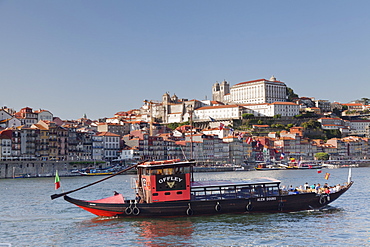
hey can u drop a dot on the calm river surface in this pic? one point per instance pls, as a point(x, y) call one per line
point(28, 217)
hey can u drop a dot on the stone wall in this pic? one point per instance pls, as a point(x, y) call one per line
point(10, 169)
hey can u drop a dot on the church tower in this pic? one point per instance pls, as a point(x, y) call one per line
point(219, 90)
point(166, 98)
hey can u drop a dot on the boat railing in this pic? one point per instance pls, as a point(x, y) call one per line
point(237, 195)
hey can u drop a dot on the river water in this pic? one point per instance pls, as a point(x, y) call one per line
point(28, 217)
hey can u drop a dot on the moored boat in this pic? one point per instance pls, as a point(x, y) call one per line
point(167, 188)
point(268, 167)
point(302, 165)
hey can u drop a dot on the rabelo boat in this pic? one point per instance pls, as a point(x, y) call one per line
point(166, 188)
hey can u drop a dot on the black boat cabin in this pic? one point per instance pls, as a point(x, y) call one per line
point(161, 181)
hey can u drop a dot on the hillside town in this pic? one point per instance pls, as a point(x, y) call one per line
point(258, 120)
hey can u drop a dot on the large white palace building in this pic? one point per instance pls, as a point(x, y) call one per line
point(250, 92)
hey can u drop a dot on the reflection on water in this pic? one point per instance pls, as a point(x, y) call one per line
point(164, 232)
point(154, 232)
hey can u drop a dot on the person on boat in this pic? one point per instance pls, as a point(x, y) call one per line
point(291, 188)
point(116, 193)
point(338, 187)
point(293, 192)
point(326, 190)
point(283, 189)
point(137, 198)
point(306, 186)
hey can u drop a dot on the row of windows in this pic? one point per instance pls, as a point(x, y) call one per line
point(245, 191)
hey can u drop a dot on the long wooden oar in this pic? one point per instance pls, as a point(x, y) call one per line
point(101, 180)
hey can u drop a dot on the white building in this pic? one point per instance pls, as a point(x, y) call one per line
point(5, 147)
point(285, 109)
point(4, 115)
point(130, 153)
point(222, 112)
point(11, 122)
point(111, 145)
point(251, 92)
point(44, 115)
point(97, 147)
point(358, 127)
point(331, 123)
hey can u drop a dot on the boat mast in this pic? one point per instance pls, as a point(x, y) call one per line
point(190, 111)
point(191, 131)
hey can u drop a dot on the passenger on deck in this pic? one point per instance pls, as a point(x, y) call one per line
point(338, 187)
point(291, 188)
point(284, 189)
point(306, 186)
point(295, 191)
point(332, 189)
point(137, 198)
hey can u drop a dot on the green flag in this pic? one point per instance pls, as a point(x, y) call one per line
point(57, 180)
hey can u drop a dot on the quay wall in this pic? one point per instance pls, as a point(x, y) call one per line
point(10, 169)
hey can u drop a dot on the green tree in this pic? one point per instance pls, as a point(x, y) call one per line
point(311, 124)
point(322, 156)
point(247, 115)
point(337, 112)
point(291, 94)
point(365, 101)
point(173, 125)
point(279, 126)
point(333, 134)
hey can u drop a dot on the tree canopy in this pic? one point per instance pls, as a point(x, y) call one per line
point(322, 156)
point(291, 94)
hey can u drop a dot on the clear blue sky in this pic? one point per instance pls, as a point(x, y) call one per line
point(100, 57)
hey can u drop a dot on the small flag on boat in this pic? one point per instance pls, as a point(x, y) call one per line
point(327, 175)
point(282, 155)
point(319, 171)
point(249, 140)
point(57, 180)
point(240, 136)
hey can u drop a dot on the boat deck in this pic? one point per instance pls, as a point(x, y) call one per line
point(219, 183)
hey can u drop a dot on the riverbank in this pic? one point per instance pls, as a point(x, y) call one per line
point(32, 169)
